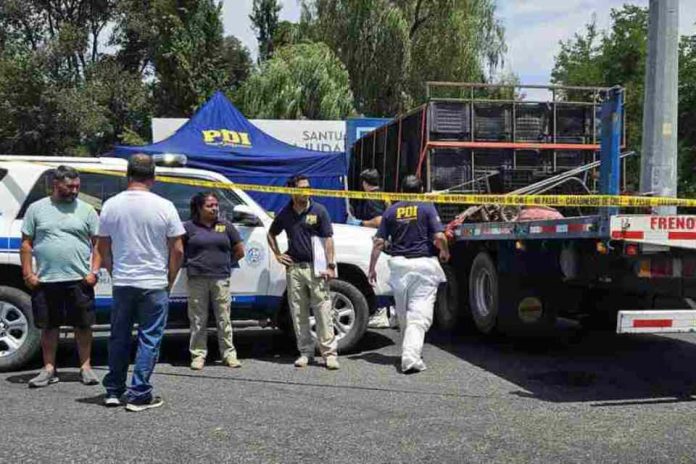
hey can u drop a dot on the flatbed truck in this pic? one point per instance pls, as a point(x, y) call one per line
point(633, 272)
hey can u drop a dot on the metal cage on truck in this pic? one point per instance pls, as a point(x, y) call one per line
point(485, 138)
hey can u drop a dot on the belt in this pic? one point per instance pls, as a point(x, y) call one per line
point(301, 265)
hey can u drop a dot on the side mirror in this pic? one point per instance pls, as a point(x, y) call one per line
point(245, 216)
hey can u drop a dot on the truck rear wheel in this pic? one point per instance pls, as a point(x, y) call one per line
point(19, 338)
point(483, 293)
point(447, 305)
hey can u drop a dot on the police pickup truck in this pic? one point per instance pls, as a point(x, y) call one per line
point(258, 285)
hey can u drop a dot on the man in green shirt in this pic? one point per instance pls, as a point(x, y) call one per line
point(59, 231)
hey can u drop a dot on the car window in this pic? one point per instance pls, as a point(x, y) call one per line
point(41, 189)
point(181, 196)
point(95, 189)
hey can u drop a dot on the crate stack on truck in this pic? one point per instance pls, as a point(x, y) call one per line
point(484, 138)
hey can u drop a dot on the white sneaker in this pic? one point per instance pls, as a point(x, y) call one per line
point(379, 320)
point(411, 367)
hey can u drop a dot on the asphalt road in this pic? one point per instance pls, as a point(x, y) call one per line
point(571, 398)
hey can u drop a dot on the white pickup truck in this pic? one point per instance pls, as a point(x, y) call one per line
point(258, 286)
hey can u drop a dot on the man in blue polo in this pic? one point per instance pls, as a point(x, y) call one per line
point(302, 220)
point(412, 228)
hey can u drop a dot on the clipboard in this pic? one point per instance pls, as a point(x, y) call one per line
point(319, 255)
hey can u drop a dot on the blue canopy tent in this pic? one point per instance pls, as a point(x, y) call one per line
point(219, 138)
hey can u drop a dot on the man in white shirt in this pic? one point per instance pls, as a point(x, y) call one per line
point(140, 243)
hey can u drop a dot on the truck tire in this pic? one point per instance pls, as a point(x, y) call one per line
point(351, 313)
point(447, 311)
point(483, 293)
point(20, 340)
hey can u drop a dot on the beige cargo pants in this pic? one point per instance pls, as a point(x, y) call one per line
point(201, 292)
point(305, 291)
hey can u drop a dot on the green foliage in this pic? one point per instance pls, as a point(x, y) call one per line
point(371, 39)
point(69, 86)
point(59, 93)
point(613, 57)
point(78, 76)
point(180, 42)
point(618, 56)
point(391, 48)
point(236, 60)
point(452, 40)
point(264, 21)
point(288, 33)
point(300, 81)
point(687, 116)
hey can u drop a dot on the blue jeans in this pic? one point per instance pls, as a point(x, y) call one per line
point(149, 309)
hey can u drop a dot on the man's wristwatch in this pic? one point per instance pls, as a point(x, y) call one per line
point(331, 266)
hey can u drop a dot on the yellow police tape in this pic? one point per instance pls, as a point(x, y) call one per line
point(602, 201)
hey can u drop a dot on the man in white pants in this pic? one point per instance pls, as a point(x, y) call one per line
point(412, 229)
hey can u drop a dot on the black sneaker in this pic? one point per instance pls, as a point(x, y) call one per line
point(155, 402)
point(112, 401)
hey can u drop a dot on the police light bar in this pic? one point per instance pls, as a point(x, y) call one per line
point(170, 159)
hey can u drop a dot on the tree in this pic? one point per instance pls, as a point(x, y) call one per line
point(51, 66)
point(303, 81)
point(237, 61)
point(78, 76)
point(67, 33)
point(264, 21)
point(452, 40)
point(371, 39)
point(687, 116)
point(188, 59)
point(391, 47)
point(288, 33)
point(618, 56)
point(180, 44)
point(613, 57)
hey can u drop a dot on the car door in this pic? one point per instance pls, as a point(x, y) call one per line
point(250, 281)
point(95, 189)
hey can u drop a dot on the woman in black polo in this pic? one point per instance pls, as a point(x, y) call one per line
point(212, 247)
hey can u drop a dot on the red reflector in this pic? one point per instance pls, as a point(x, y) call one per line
point(681, 235)
point(652, 323)
point(627, 234)
point(631, 250)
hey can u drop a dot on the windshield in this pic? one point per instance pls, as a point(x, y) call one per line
point(181, 196)
point(95, 189)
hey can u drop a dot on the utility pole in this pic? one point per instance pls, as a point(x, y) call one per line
point(659, 158)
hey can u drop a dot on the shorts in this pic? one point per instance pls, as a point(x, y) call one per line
point(63, 303)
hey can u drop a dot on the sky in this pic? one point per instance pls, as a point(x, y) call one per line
point(533, 28)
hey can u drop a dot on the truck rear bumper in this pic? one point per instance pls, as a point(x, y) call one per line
point(656, 321)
